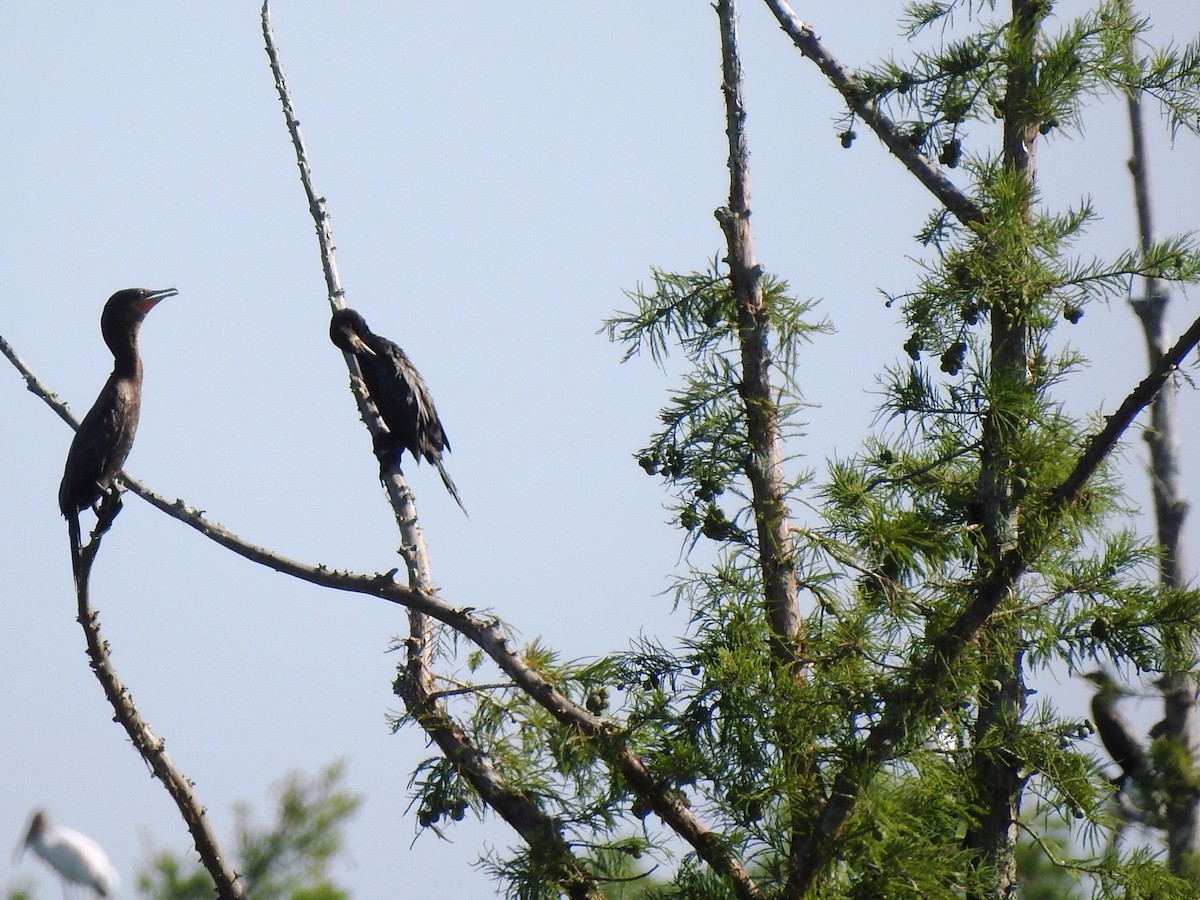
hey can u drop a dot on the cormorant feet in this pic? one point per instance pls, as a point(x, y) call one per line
point(106, 509)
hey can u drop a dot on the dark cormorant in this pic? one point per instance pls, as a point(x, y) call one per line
point(106, 434)
point(399, 393)
point(1115, 733)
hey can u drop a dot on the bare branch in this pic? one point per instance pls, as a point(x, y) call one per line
point(35, 385)
point(145, 741)
point(421, 601)
point(486, 633)
point(764, 468)
point(926, 170)
point(316, 204)
point(1179, 723)
point(398, 491)
point(415, 686)
point(1101, 444)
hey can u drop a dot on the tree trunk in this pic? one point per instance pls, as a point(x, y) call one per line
point(993, 832)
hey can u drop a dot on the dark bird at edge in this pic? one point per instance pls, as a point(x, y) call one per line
point(1115, 732)
point(399, 393)
point(105, 435)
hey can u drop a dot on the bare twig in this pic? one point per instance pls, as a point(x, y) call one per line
point(1101, 443)
point(415, 686)
point(926, 170)
point(316, 204)
point(487, 633)
point(764, 467)
point(147, 743)
point(35, 385)
point(1179, 723)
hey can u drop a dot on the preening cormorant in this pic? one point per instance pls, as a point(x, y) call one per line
point(105, 436)
point(399, 393)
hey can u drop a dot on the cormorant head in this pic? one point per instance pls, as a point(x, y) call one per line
point(347, 330)
point(1107, 688)
point(125, 309)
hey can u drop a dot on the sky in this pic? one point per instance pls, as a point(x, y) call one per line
point(497, 177)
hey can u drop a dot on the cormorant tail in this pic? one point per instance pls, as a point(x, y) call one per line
point(446, 480)
point(73, 532)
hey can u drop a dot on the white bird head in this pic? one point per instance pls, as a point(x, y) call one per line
point(75, 857)
point(37, 825)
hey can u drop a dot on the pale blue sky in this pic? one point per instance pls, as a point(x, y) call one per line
point(496, 175)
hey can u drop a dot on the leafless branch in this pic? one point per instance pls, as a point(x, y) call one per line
point(486, 633)
point(764, 468)
point(316, 204)
point(415, 685)
point(1178, 685)
point(857, 99)
point(147, 743)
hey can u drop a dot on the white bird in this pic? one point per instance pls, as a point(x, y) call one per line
point(74, 856)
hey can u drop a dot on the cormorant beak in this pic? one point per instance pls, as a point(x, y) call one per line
point(152, 297)
point(358, 344)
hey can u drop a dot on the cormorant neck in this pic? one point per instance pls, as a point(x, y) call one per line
point(123, 342)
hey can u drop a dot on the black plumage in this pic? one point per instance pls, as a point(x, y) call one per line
point(1115, 732)
point(105, 436)
point(399, 394)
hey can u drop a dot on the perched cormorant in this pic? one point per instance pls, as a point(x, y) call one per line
point(106, 434)
point(1115, 733)
point(399, 393)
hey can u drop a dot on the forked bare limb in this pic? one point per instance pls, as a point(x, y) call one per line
point(149, 745)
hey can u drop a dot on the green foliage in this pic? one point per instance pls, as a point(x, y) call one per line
point(702, 448)
point(170, 878)
point(1172, 76)
point(23, 889)
point(939, 92)
point(287, 860)
point(940, 563)
point(1040, 870)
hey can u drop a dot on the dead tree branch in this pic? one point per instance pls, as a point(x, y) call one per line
point(145, 741)
point(1170, 512)
point(764, 468)
point(415, 686)
point(864, 106)
point(486, 633)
